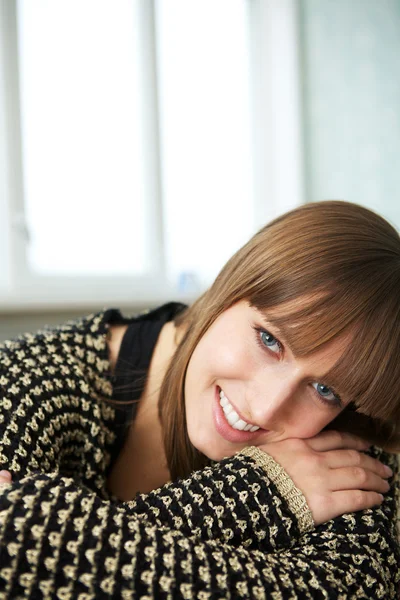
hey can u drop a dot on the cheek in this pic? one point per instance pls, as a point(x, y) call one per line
point(221, 359)
point(215, 361)
point(309, 423)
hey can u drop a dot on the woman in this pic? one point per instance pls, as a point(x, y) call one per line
point(240, 400)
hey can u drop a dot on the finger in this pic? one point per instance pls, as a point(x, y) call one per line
point(335, 440)
point(336, 459)
point(5, 475)
point(357, 478)
point(355, 500)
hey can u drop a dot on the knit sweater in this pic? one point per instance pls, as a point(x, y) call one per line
point(237, 529)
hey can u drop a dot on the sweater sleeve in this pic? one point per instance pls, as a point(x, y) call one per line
point(59, 540)
point(54, 409)
point(247, 499)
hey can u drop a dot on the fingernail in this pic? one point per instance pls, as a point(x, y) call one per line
point(388, 470)
point(5, 474)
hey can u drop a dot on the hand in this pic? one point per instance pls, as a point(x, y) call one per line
point(5, 478)
point(333, 473)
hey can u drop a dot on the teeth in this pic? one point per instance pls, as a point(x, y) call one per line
point(232, 417)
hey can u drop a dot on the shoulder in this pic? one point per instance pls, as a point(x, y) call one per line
point(56, 356)
point(76, 332)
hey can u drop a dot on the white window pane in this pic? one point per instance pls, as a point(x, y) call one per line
point(205, 133)
point(82, 138)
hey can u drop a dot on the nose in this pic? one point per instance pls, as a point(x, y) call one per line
point(271, 399)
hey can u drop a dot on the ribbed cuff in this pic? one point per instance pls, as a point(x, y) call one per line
point(293, 496)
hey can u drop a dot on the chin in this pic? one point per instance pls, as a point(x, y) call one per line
point(214, 451)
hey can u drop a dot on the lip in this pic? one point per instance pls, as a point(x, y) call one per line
point(225, 430)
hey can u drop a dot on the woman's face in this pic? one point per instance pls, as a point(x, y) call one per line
point(245, 387)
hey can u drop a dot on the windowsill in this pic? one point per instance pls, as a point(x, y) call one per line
point(60, 298)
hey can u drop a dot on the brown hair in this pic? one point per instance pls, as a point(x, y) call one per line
point(341, 262)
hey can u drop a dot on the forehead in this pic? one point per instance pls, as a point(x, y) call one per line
point(289, 308)
point(310, 321)
point(322, 361)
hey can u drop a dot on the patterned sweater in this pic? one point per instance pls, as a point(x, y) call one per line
point(237, 529)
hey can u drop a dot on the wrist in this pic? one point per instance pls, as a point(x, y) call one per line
point(293, 497)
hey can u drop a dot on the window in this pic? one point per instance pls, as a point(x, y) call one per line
point(82, 136)
point(204, 93)
point(147, 140)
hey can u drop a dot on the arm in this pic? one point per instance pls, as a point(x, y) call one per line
point(71, 542)
point(249, 499)
point(54, 409)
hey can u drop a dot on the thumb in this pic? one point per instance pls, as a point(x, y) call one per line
point(6, 475)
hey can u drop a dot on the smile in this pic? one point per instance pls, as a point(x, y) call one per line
point(232, 417)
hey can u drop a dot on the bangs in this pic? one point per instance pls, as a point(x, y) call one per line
point(310, 322)
point(370, 367)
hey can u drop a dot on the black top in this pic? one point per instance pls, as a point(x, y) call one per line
point(133, 362)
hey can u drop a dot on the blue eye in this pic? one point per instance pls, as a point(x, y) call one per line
point(270, 341)
point(326, 394)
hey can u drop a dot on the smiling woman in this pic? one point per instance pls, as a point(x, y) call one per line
point(326, 275)
point(225, 407)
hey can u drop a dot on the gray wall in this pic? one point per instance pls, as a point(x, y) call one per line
point(351, 60)
point(12, 325)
